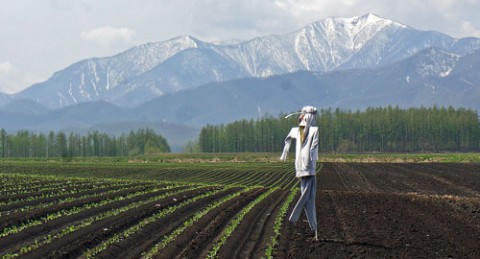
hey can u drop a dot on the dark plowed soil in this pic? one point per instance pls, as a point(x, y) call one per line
point(21, 217)
point(196, 241)
point(134, 245)
point(254, 232)
point(15, 241)
point(408, 211)
point(81, 192)
point(364, 210)
point(72, 245)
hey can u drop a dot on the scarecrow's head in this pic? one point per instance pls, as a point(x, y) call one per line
point(307, 116)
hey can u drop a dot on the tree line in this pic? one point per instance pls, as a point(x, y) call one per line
point(95, 144)
point(383, 129)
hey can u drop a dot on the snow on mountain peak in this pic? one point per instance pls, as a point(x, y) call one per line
point(358, 29)
point(187, 41)
point(335, 43)
point(326, 44)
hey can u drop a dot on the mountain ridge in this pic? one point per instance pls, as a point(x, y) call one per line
point(141, 73)
point(185, 83)
point(430, 77)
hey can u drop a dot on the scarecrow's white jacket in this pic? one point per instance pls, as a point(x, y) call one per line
point(306, 154)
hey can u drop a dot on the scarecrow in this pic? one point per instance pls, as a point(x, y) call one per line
point(306, 155)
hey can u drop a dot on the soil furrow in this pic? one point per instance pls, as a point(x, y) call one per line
point(196, 241)
point(75, 243)
point(15, 241)
point(251, 237)
point(22, 217)
point(134, 245)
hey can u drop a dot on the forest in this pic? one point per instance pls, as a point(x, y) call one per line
point(382, 129)
point(94, 144)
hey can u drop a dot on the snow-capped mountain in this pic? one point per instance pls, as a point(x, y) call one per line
point(333, 44)
point(96, 78)
point(429, 77)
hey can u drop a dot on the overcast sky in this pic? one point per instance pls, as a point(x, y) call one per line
point(40, 37)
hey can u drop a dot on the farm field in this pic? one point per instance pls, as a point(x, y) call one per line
point(237, 210)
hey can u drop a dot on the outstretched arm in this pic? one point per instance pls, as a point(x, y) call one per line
point(286, 148)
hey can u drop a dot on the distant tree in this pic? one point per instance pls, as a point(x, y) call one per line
point(192, 146)
point(3, 142)
point(382, 129)
point(61, 144)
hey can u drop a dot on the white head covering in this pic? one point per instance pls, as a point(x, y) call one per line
point(309, 114)
point(306, 109)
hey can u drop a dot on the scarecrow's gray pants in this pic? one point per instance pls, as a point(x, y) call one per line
point(308, 187)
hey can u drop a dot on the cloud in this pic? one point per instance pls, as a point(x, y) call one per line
point(106, 36)
point(5, 68)
point(226, 19)
point(469, 29)
point(13, 80)
point(48, 35)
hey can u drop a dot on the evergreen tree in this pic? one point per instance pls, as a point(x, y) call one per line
point(382, 129)
point(27, 144)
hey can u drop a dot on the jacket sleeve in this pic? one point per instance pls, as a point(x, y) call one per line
point(314, 147)
point(286, 148)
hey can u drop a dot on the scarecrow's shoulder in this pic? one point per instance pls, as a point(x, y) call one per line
point(294, 131)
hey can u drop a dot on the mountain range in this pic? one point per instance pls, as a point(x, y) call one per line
point(185, 83)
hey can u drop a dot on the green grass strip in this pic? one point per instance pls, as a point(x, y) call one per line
point(166, 240)
point(278, 224)
point(70, 211)
point(118, 237)
point(234, 224)
point(86, 222)
point(64, 200)
point(68, 186)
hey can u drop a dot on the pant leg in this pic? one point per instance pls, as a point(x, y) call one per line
point(306, 201)
point(309, 207)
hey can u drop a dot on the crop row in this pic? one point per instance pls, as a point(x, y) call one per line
point(97, 216)
point(34, 203)
point(213, 253)
point(241, 173)
point(11, 201)
point(118, 237)
point(188, 223)
point(85, 220)
point(70, 211)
